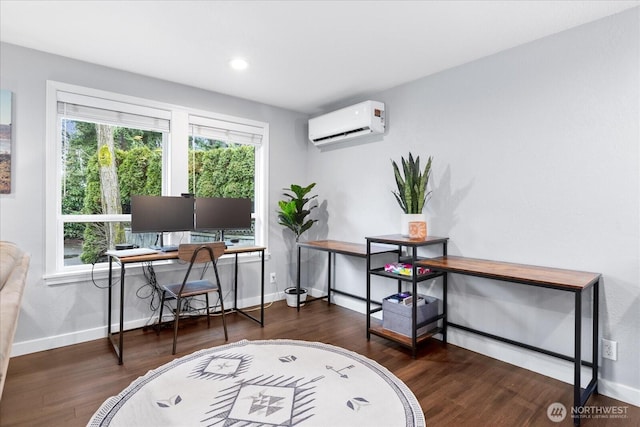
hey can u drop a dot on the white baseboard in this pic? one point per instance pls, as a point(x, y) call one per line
point(549, 366)
point(63, 340)
point(620, 392)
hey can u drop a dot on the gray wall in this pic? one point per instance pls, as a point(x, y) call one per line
point(58, 315)
point(535, 161)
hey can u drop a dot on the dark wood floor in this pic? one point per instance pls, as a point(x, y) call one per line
point(455, 387)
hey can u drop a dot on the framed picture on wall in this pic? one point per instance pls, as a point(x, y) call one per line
point(5, 141)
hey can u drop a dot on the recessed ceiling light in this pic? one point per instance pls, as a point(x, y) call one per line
point(238, 64)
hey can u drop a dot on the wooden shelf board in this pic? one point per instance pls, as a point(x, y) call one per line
point(378, 330)
point(421, 277)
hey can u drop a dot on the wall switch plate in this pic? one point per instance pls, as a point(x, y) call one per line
point(609, 349)
point(272, 278)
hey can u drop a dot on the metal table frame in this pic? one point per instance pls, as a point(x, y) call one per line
point(333, 247)
point(577, 282)
point(118, 346)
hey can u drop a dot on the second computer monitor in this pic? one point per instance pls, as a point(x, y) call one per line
point(220, 213)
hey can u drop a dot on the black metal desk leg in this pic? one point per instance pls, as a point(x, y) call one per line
point(329, 278)
point(259, 320)
point(121, 337)
point(414, 306)
point(109, 298)
point(298, 281)
point(577, 362)
point(262, 290)
point(594, 359)
point(444, 307)
point(368, 302)
point(235, 284)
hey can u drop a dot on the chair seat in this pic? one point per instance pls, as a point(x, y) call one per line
point(195, 287)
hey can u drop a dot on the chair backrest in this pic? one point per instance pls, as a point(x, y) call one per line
point(201, 252)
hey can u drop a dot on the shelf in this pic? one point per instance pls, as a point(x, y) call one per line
point(377, 329)
point(381, 272)
point(397, 239)
point(408, 259)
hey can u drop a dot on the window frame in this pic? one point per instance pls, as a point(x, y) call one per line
point(175, 171)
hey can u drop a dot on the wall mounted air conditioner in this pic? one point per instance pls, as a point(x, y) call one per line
point(365, 118)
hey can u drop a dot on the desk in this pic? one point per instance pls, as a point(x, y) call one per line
point(165, 256)
point(563, 280)
point(358, 250)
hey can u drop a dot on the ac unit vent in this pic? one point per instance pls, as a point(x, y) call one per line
point(365, 118)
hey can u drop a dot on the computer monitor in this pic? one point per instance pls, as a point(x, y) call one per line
point(159, 214)
point(219, 213)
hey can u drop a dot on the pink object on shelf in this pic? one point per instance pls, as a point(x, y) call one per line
point(404, 269)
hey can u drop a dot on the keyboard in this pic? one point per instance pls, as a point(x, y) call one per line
point(167, 248)
point(123, 253)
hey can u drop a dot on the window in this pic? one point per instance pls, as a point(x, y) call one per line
point(104, 148)
point(222, 164)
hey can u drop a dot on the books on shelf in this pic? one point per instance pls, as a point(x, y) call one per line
point(404, 269)
point(404, 298)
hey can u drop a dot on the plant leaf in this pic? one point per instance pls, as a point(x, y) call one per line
point(292, 213)
point(412, 194)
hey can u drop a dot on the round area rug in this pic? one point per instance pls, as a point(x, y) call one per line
point(265, 383)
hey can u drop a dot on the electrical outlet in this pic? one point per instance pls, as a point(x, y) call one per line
point(609, 349)
point(272, 278)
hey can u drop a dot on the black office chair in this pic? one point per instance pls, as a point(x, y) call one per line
point(195, 253)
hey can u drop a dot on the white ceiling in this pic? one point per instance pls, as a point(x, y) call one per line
point(303, 55)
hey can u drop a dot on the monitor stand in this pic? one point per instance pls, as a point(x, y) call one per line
point(162, 247)
point(227, 243)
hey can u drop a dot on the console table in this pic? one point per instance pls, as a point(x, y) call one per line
point(577, 282)
point(333, 247)
point(118, 347)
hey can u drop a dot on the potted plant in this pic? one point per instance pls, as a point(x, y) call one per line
point(412, 194)
point(293, 215)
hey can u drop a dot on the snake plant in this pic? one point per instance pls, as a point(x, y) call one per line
point(412, 194)
point(293, 213)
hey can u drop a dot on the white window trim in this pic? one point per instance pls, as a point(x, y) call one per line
point(55, 273)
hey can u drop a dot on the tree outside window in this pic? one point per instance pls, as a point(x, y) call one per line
point(221, 169)
point(103, 166)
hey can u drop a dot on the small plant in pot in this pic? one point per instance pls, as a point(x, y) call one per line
point(412, 194)
point(293, 214)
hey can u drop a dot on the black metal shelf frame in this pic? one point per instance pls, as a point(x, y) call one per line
point(414, 279)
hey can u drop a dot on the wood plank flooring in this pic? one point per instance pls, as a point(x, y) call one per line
point(455, 387)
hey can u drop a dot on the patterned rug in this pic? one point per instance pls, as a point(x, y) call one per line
point(265, 383)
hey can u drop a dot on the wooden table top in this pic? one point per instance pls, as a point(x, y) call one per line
point(399, 239)
point(511, 272)
point(345, 248)
point(164, 256)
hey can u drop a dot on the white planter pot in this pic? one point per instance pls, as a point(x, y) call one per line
point(290, 295)
point(405, 219)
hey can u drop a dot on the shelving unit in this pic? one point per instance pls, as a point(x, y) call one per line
point(374, 326)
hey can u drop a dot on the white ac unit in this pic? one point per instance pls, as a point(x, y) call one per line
point(365, 118)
